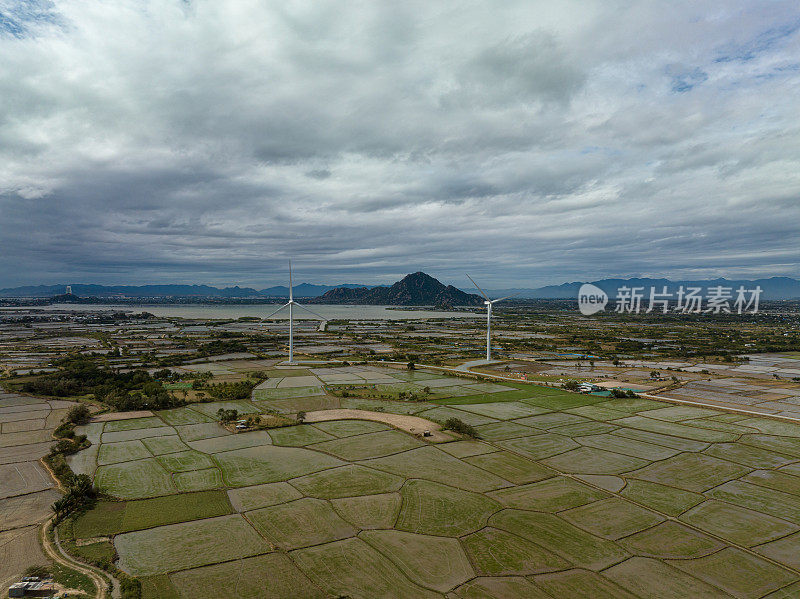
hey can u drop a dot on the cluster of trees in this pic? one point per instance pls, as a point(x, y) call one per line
point(80, 495)
point(122, 390)
point(224, 415)
point(459, 426)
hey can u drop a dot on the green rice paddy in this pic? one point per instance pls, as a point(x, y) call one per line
point(564, 495)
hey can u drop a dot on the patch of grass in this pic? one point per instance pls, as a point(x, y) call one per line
point(500, 553)
point(554, 534)
point(72, 579)
point(611, 518)
point(433, 464)
point(271, 576)
point(134, 480)
point(436, 509)
point(347, 481)
point(369, 511)
point(588, 460)
point(158, 587)
point(539, 446)
point(269, 464)
point(691, 471)
point(114, 517)
point(510, 466)
point(370, 445)
point(300, 523)
point(737, 524)
point(124, 451)
point(198, 480)
point(298, 436)
point(258, 496)
point(186, 461)
point(550, 495)
point(132, 424)
point(161, 445)
point(668, 500)
point(348, 428)
point(202, 542)
point(671, 540)
point(182, 416)
point(433, 562)
point(353, 568)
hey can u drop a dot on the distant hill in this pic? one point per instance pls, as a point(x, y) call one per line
point(774, 288)
point(130, 291)
point(307, 289)
point(417, 289)
point(148, 291)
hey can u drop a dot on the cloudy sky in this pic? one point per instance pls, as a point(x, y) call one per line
point(526, 143)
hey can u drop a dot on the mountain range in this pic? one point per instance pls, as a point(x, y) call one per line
point(774, 288)
point(149, 291)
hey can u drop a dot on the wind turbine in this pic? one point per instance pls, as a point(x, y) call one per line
point(489, 303)
point(291, 303)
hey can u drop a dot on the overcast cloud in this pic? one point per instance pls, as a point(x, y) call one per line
point(526, 143)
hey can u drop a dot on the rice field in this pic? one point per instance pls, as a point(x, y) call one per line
point(563, 495)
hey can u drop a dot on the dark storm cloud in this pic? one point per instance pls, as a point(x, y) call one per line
point(526, 142)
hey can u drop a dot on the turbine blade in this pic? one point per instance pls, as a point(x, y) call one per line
point(505, 298)
point(479, 289)
point(275, 312)
point(311, 311)
point(290, 280)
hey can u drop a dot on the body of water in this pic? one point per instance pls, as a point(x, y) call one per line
point(233, 311)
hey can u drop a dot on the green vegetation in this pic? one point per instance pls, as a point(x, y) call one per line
point(462, 428)
point(80, 376)
point(110, 518)
point(152, 551)
point(300, 523)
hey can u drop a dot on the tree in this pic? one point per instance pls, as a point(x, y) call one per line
point(461, 427)
point(79, 414)
point(411, 366)
point(301, 416)
point(227, 415)
point(571, 385)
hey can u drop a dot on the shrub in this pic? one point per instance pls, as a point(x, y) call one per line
point(79, 414)
point(459, 426)
point(227, 415)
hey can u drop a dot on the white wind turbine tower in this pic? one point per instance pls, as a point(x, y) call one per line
point(489, 303)
point(291, 303)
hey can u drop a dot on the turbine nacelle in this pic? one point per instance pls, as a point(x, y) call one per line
point(290, 304)
point(488, 303)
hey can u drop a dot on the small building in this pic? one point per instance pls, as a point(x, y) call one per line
point(589, 388)
point(31, 587)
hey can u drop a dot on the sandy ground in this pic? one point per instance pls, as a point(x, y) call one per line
point(121, 416)
point(410, 424)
